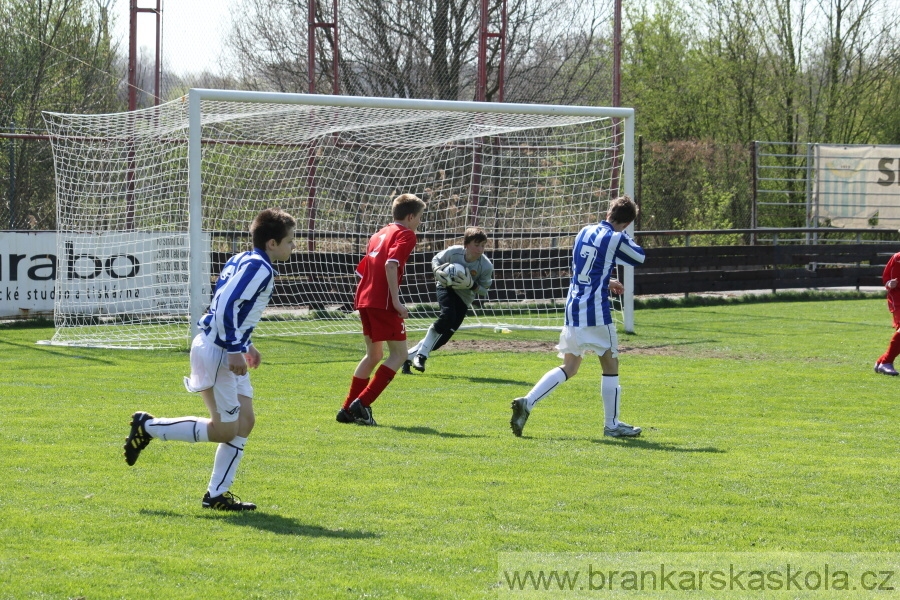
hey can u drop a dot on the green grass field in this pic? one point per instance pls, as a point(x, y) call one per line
point(765, 430)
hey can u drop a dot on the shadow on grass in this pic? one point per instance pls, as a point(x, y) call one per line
point(644, 444)
point(481, 380)
point(65, 353)
point(430, 431)
point(268, 522)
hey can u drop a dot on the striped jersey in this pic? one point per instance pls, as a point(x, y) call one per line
point(242, 293)
point(598, 248)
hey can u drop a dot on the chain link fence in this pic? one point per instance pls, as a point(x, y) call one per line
point(690, 185)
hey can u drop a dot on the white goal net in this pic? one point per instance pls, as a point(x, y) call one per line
point(151, 203)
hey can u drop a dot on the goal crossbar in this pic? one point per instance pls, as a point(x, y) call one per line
point(150, 203)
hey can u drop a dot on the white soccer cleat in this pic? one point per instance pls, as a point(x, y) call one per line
point(622, 430)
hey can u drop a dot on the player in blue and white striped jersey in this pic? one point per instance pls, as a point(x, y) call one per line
point(221, 355)
point(588, 324)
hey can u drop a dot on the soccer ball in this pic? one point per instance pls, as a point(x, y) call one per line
point(454, 270)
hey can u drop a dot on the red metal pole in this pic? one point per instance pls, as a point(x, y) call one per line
point(133, 11)
point(617, 55)
point(481, 85)
point(132, 55)
point(311, 45)
point(483, 35)
point(311, 162)
point(158, 69)
point(501, 73)
point(336, 84)
point(617, 93)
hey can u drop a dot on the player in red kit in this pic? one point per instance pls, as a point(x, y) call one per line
point(891, 280)
point(380, 310)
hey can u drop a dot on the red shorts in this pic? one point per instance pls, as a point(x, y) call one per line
point(381, 325)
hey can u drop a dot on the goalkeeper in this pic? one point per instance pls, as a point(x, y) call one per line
point(455, 292)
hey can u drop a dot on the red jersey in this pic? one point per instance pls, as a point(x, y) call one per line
point(393, 242)
point(892, 271)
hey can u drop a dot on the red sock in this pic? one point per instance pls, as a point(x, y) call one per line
point(893, 350)
point(357, 385)
point(383, 377)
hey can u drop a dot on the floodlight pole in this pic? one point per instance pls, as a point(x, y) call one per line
point(132, 92)
point(312, 24)
point(484, 34)
point(133, 51)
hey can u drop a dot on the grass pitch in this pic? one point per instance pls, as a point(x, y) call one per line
point(765, 430)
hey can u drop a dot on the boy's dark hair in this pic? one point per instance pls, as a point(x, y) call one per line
point(270, 224)
point(622, 210)
point(405, 205)
point(474, 234)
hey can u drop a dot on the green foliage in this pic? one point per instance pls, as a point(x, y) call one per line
point(694, 185)
point(659, 68)
point(744, 71)
point(746, 448)
point(54, 56)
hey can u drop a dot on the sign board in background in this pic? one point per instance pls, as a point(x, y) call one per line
point(857, 184)
point(97, 274)
point(27, 273)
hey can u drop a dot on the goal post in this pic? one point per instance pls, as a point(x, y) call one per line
point(164, 195)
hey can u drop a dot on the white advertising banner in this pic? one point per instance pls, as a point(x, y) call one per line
point(858, 186)
point(110, 273)
point(27, 273)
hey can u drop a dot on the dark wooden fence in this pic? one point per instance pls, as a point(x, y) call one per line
point(540, 275)
point(735, 268)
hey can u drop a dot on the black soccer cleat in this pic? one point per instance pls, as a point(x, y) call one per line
point(226, 501)
point(362, 415)
point(138, 438)
point(519, 416)
point(344, 416)
point(405, 369)
point(418, 363)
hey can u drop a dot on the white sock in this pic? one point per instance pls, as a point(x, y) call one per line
point(411, 353)
point(547, 384)
point(179, 429)
point(611, 394)
point(228, 457)
point(431, 338)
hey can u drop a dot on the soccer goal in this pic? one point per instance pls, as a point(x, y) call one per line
point(151, 203)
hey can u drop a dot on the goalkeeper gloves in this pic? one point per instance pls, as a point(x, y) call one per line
point(462, 281)
point(442, 277)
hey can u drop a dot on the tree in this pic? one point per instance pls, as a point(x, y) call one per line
point(428, 48)
point(661, 72)
point(55, 55)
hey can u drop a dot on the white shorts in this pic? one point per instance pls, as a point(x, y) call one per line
point(209, 369)
point(578, 340)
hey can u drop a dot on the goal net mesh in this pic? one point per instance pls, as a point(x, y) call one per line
point(530, 180)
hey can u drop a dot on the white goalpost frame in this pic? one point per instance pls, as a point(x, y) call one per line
point(151, 202)
point(197, 95)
